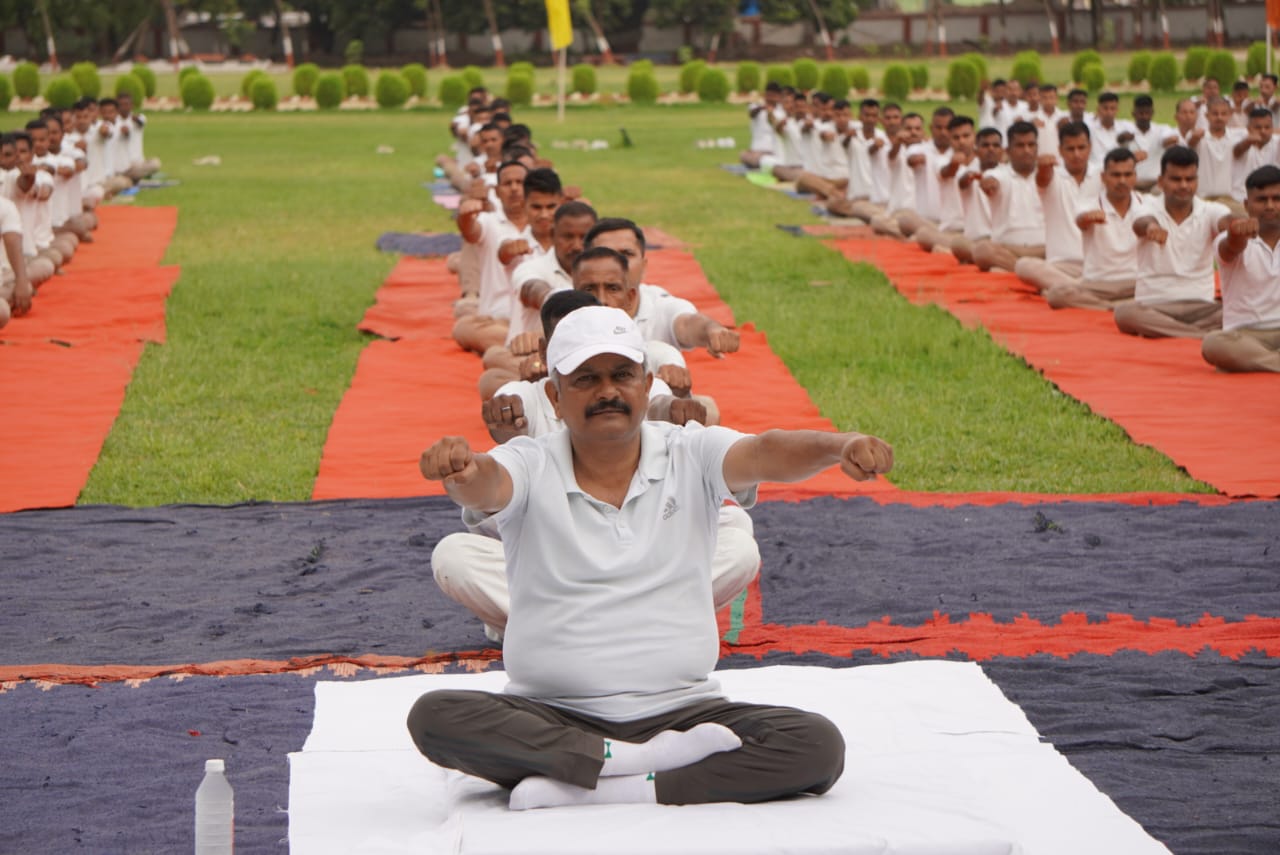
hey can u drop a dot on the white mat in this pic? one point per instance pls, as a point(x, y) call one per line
point(938, 761)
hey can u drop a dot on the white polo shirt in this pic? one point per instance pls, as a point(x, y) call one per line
point(789, 143)
point(60, 201)
point(101, 152)
point(1217, 160)
point(1017, 217)
point(37, 233)
point(928, 202)
point(611, 608)
point(656, 313)
point(1268, 154)
point(1250, 286)
point(495, 281)
point(950, 205)
point(10, 223)
point(833, 160)
point(1060, 201)
point(137, 124)
point(1152, 142)
point(1182, 269)
point(902, 182)
point(544, 266)
point(1111, 248)
point(1047, 138)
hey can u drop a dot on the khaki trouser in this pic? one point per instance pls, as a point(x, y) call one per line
point(1043, 275)
point(1169, 318)
point(930, 237)
point(1243, 349)
point(1090, 295)
point(505, 739)
point(991, 253)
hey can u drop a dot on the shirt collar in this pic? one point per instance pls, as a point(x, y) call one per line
point(651, 467)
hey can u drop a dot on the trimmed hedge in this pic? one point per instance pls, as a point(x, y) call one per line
point(835, 81)
point(473, 76)
point(522, 67)
point(896, 83)
point(1193, 65)
point(1082, 59)
point(783, 75)
point(1094, 77)
point(1256, 60)
point(690, 73)
point(1027, 67)
point(1222, 68)
point(147, 76)
point(246, 83)
point(520, 88)
point(962, 79)
point(185, 72)
point(85, 74)
point(304, 79)
point(748, 76)
point(197, 92)
point(919, 76)
point(807, 73)
point(26, 80)
point(713, 86)
point(133, 86)
point(641, 65)
point(330, 90)
point(392, 90)
point(1140, 66)
point(263, 93)
point(1163, 73)
point(584, 79)
point(859, 78)
point(979, 62)
point(415, 74)
point(62, 91)
point(642, 87)
point(453, 91)
point(6, 92)
point(356, 80)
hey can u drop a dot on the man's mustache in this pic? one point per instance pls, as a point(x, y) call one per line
point(611, 404)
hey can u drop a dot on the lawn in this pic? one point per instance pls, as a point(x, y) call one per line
point(276, 247)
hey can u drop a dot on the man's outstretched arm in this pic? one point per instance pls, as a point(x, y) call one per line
point(794, 455)
point(474, 481)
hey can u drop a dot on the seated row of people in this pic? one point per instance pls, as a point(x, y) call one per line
point(1059, 202)
point(53, 173)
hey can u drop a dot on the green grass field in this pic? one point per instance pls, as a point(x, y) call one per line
point(278, 267)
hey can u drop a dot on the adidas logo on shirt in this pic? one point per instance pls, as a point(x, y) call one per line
point(669, 508)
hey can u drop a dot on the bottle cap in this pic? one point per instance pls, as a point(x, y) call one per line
point(215, 765)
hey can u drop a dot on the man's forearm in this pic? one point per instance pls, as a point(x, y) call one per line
point(482, 492)
point(783, 455)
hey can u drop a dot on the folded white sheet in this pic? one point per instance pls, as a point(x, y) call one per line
point(938, 761)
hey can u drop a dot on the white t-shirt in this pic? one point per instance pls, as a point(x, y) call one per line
point(789, 143)
point(833, 160)
point(902, 181)
point(137, 123)
point(1152, 142)
point(1047, 138)
point(495, 280)
point(544, 266)
point(1250, 286)
point(656, 313)
point(1103, 139)
point(1060, 202)
point(1217, 160)
point(60, 202)
point(1017, 217)
point(37, 232)
point(1242, 167)
point(994, 114)
point(928, 200)
point(1111, 248)
point(120, 153)
point(977, 207)
point(10, 223)
point(950, 205)
point(1182, 269)
point(611, 608)
point(868, 171)
point(101, 152)
point(761, 130)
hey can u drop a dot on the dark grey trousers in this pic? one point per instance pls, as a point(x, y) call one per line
point(504, 739)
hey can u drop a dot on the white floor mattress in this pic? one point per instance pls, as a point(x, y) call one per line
point(938, 761)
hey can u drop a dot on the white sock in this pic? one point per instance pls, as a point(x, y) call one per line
point(539, 792)
point(670, 749)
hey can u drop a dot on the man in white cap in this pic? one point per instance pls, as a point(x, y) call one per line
point(610, 525)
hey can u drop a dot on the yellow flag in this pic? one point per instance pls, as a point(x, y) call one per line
point(559, 24)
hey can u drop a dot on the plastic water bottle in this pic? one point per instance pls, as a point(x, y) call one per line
point(215, 812)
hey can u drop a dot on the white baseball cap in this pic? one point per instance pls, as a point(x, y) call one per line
point(591, 331)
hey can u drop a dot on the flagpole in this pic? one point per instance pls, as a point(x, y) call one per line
point(560, 65)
